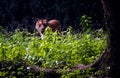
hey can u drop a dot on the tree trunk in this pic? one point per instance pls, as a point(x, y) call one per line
point(110, 59)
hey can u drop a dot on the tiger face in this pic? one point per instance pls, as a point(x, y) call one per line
point(41, 24)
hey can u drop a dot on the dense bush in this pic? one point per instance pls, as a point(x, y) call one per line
point(54, 51)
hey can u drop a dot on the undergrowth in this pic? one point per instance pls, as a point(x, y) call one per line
point(54, 51)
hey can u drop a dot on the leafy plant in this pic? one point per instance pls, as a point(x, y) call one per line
point(54, 51)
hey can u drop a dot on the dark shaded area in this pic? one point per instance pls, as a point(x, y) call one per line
point(22, 13)
point(9, 69)
point(109, 61)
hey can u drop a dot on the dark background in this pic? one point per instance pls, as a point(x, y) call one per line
point(22, 13)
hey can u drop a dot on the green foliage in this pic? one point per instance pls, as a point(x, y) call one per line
point(54, 51)
point(78, 74)
point(85, 23)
